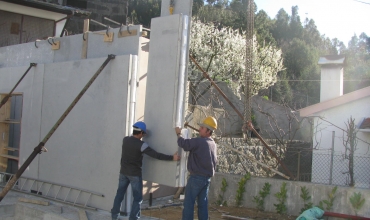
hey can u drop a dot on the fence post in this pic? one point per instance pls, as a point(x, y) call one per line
point(331, 159)
point(299, 165)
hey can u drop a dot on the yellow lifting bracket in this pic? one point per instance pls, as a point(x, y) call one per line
point(172, 6)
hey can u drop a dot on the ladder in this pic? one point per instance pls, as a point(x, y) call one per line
point(52, 191)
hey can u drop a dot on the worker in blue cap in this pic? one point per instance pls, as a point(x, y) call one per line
point(133, 149)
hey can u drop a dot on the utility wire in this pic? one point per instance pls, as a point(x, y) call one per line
point(368, 3)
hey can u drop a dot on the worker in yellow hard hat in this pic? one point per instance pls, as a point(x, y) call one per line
point(202, 162)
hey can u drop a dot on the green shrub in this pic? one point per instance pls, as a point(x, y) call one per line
point(306, 198)
point(220, 200)
point(241, 189)
point(260, 199)
point(281, 197)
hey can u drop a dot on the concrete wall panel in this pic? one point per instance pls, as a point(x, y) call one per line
point(124, 45)
point(161, 95)
point(85, 150)
point(71, 48)
point(23, 54)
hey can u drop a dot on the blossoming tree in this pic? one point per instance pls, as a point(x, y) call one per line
point(221, 53)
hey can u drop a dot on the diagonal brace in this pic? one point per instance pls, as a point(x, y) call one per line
point(5, 99)
point(40, 147)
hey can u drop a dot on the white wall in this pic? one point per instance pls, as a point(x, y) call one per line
point(331, 82)
point(322, 142)
point(85, 150)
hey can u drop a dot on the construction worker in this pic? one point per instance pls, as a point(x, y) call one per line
point(133, 149)
point(201, 166)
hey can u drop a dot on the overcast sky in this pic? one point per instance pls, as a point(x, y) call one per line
point(335, 18)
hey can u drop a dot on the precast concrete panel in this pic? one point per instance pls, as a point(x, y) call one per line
point(23, 54)
point(161, 97)
point(31, 89)
point(71, 48)
point(98, 48)
point(85, 150)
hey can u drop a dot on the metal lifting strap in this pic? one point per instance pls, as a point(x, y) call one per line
point(5, 99)
point(39, 147)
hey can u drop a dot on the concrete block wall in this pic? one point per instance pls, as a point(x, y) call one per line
point(294, 202)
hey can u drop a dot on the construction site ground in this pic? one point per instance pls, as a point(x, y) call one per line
point(12, 208)
point(215, 213)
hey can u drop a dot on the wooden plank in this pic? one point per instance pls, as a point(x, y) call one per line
point(10, 121)
point(33, 201)
point(11, 148)
point(82, 214)
point(9, 157)
point(127, 34)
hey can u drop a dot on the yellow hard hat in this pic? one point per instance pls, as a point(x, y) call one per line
point(210, 123)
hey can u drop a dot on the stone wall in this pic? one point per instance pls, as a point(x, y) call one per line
point(296, 155)
point(273, 121)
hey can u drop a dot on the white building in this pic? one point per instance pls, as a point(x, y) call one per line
point(330, 165)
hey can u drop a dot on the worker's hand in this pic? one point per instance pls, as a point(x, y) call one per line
point(176, 156)
point(178, 130)
point(250, 125)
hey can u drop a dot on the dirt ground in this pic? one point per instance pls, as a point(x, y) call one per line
point(215, 213)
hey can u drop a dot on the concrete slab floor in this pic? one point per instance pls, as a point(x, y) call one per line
point(13, 209)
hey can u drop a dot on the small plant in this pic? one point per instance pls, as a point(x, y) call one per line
point(357, 201)
point(328, 203)
point(220, 200)
point(241, 189)
point(281, 197)
point(306, 198)
point(265, 97)
point(259, 200)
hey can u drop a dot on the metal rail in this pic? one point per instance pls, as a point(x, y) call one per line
point(5, 99)
point(40, 147)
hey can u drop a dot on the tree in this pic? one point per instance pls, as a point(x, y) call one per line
point(142, 11)
point(357, 70)
point(350, 145)
point(221, 52)
point(263, 25)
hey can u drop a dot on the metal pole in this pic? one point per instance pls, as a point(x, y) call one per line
point(298, 165)
point(217, 88)
point(331, 159)
point(5, 99)
point(39, 147)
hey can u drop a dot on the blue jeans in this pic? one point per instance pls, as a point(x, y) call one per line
point(137, 191)
point(197, 186)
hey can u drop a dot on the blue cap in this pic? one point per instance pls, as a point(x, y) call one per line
point(140, 126)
